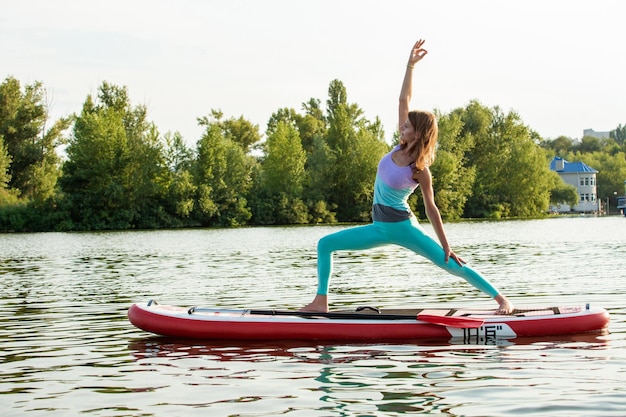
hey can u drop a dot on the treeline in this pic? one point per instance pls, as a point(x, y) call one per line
point(109, 167)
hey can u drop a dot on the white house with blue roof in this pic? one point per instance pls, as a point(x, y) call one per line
point(581, 176)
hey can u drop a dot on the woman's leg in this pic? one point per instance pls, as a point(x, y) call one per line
point(355, 238)
point(411, 235)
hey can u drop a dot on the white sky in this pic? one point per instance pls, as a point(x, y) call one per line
point(560, 64)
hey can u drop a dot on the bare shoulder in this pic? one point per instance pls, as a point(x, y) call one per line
point(423, 177)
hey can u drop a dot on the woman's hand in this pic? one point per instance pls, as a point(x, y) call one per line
point(451, 254)
point(417, 53)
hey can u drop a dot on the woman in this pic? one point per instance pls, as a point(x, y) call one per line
point(399, 174)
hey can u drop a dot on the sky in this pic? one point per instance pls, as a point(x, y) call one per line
point(560, 65)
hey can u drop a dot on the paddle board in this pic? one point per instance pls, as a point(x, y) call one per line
point(366, 323)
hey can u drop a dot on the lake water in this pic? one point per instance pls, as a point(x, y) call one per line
point(67, 347)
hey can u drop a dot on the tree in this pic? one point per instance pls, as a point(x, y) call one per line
point(351, 151)
point(6, 196)
point(283, 166)
point(277, 196)
point(222, 177)
point(524, 185)
point(180, 190)
point(310, 125)
point(34, 163)
point(562, 193)
point(560, 145)
point(512, 176)
point(589, 144)
point(453, 178)
point(320, 167)
point(476, 123)
point(115, 176)
point(240, 131)
point(619, 134)
point(286, 116)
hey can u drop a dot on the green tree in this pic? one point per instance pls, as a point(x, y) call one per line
point(240, 131)
point(115, 176)
point(310, 125)
point(352, 154)
point(476, 121)
point(562, 193)
point(277, 197)
point(589, 144)
point(524, 184)
point(181, 189)
point(6, 196)
point(560, 146)
point(222, 177)
point(284, 164)
point(512, 177)
point(619, 134)
point(453, 178)
point(5, 163)
point(34, 166)
point(319, 182)
point(286, 116)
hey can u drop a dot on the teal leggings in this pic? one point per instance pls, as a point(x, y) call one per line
point(407, 233)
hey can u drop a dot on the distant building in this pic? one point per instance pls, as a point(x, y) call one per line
point(594, 134)
point(581, 176)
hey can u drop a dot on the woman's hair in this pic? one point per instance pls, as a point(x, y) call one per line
point(426, 130)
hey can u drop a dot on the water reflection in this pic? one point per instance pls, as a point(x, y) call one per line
point(396, 378)
point(312, 352)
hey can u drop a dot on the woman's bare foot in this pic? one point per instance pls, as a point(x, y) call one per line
point(318, 305)
point(505, 306)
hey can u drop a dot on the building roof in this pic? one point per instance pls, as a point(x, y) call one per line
point(570, 167)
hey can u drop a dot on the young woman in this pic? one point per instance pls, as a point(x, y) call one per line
point(399, 174)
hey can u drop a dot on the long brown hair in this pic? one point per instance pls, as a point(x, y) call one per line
point(426, 130)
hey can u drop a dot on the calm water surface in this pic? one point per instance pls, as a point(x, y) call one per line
point(67, 347)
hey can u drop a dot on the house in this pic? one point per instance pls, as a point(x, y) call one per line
point(581, 176)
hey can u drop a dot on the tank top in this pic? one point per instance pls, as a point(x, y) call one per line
point(392, 188)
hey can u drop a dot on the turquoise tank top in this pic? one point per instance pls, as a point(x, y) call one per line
point(392, 188)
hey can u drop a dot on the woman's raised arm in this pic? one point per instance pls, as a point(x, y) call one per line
point(417, 53)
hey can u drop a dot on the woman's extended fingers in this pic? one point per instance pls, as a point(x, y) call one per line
point(457, 258)
point(418, 52)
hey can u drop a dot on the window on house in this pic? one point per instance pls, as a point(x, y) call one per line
point(582, 181)
point(586, 180)
point(593, 197)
